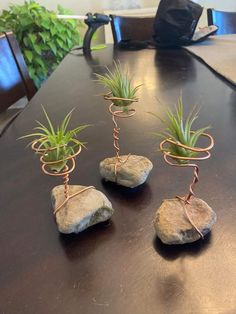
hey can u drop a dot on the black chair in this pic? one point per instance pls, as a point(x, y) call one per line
point(226, 21)
point(125, 28)
point(15, 82)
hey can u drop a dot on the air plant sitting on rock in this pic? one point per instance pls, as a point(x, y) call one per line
point(128, 170)
point(179, 148)
point(58, 148)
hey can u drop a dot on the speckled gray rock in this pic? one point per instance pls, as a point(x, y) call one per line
point(82, 211)
point(132, 173)
point(172, 225)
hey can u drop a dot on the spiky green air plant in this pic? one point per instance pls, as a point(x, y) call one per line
point(119, 85)
point(179, 130)
point(63, 142)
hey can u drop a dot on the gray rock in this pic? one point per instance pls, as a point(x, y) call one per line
point(172, 225)
point(82, 211)
point(132, 173)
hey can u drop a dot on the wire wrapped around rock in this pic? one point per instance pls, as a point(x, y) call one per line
point(116, 130)
point(66, 170)
point(168, 157)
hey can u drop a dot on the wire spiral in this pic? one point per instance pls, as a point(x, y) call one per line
point(65, 173)
point(116, 130)
point(66, 180)
point(168, 157)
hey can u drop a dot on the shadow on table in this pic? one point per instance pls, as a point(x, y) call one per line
point(136, 198)
point(83, 244)
point(96, 61)
point(172, 252)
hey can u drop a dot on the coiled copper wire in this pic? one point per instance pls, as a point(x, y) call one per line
point(116, 130)
point(65, 172)
point(168, 157)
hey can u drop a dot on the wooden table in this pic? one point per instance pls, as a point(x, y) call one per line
point(119, 267)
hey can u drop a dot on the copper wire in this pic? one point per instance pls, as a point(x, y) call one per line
point(65, 172)
point(56, 210)
point(168, 157)
point(116, 130)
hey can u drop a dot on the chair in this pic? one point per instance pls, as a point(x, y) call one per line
point(131, 28)
point(15, 82)
point(226, 21)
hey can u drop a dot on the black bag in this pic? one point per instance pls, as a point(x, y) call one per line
point(174, 26)
point(175, 22)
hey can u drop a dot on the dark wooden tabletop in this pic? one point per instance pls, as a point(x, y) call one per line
point(120, 267)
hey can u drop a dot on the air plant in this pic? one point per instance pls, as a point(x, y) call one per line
point(179, 130)
point(119, 85)
point(56, 144)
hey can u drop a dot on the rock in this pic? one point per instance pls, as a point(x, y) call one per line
point(172, 225)
point(82, 211)
point(132, 173)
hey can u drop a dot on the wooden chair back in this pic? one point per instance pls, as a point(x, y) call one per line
point(15, 82)
point(131, 28)
point(226, 21)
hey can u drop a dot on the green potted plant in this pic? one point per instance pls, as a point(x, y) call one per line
point(43, 38)
point(180, 148)
point(128, 170)
point(58, 148)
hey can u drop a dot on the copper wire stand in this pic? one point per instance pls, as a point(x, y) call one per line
point(168, 157)
point(65, 172)
point(116, 130)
